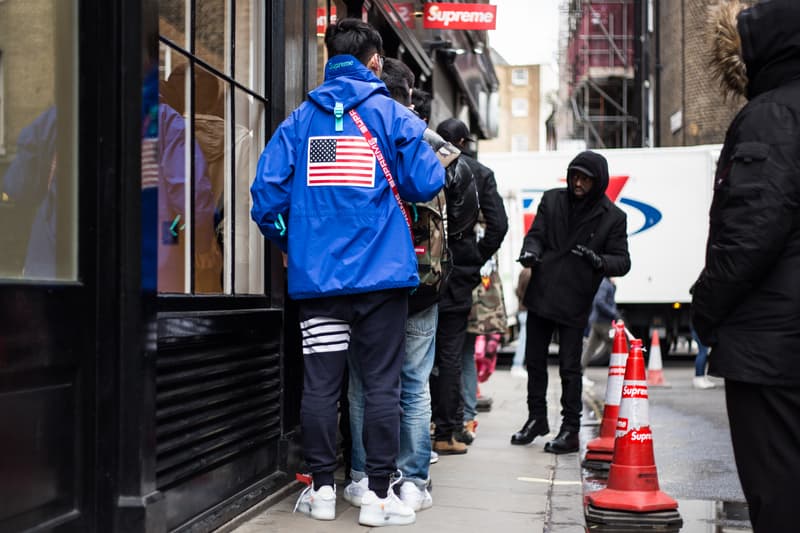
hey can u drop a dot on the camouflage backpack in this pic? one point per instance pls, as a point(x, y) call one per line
point(430, 243)
point(488, 312)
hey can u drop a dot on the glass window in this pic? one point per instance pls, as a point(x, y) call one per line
point(212, 33)
point(519, 107)
point(207, 243)
point(519, 143)
point(172, 21)
point(38, 169)
point(249, 244)
point(519, 76)
point(249, 39)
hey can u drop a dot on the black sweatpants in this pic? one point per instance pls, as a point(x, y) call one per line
point(765, 431)
point(570, 342)
point(374, 324)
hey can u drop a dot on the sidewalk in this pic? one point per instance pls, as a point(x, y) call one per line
point(495, 488)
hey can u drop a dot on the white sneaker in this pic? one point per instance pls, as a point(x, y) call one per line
point(319, 504)
point(519, 372)
point(388, 511)
point(434, 457)
point(416, 498)
point(702, 382)
point(356, 490)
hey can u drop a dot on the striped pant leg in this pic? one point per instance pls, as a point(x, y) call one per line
point(325, 344)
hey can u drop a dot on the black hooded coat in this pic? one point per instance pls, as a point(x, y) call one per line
point(563, 284)
point(746, 302)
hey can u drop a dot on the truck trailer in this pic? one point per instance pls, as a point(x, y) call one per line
point(665, 193)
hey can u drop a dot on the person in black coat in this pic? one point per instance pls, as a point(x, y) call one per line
point(471, 188)
point(746, 301)
point(578, 237)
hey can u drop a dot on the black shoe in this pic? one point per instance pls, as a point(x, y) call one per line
point(532, 429)
point(463, 436)
point(565, 442)
point(484, 404)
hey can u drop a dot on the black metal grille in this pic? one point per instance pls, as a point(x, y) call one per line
point(218, 391)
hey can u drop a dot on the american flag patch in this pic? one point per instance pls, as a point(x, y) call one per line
point(340, 161)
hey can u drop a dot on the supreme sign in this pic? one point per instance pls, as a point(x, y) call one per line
point(451, 16)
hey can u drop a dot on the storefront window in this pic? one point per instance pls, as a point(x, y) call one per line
point(208, 245)
point(38, 168)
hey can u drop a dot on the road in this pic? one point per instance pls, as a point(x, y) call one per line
point(692, 446)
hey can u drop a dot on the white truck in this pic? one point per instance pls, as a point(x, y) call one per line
point(666, 194)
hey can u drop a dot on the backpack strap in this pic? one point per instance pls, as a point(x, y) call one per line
point(373, 143)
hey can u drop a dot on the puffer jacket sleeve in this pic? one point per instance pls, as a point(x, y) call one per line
point(419, 174)
point(752, 214)
point(273, 183)
point(615, 255)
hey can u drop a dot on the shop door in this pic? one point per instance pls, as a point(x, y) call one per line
point(47, 332)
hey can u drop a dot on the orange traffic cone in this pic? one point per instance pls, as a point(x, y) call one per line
point(632, 495)
point(655, 371)
point(600, 451)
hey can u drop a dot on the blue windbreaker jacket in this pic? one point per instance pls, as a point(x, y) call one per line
point(321, 196)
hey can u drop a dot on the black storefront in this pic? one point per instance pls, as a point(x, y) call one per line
point(149, 367)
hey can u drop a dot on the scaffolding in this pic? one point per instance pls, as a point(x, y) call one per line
point(598, 70)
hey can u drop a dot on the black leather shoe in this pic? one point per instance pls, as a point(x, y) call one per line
point(532, 429)
point(565, 442)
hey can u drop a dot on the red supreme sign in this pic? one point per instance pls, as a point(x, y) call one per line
point(451, 16)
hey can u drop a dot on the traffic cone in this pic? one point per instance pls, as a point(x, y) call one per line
point(600, 451)
point(655, 371)
point(632, 495)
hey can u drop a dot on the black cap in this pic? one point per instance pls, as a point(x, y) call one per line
point(453, 130)
point(582, 169)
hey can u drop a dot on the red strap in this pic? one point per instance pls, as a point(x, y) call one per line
point(373, 143)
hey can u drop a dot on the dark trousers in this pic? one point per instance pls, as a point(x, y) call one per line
point(570, 341)
point(450, 333)
point(765, 431)
point(373, 325)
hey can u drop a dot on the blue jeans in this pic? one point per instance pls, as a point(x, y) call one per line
point(519, 355)
point(415, 399)
point(700, 359)
point(469, 379)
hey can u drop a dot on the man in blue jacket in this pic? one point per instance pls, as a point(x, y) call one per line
point(322, 193)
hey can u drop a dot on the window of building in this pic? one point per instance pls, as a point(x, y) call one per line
point(519, 107)
point(39, 134)
point(211, 91)
point(519, 143)
point(519, 76)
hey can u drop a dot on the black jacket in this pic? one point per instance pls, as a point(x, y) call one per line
point(469, 254)
point(746, 302)
point(563, 284)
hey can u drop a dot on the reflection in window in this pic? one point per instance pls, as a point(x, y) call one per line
point(38, 177)
point(519, 107)
point(207, 92)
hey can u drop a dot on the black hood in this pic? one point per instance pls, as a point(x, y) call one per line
point(594, 165)
point(770, 33)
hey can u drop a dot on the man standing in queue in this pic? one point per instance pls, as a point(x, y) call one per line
point(578, 237)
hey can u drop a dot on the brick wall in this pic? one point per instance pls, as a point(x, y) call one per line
point(685, 83)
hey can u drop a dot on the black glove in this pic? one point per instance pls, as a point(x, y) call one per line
point(528, 259)
point(587, 253)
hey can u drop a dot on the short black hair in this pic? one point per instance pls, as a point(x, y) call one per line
point(354, 37)
point(399, 79)
point(455, 131)
point(422, 103)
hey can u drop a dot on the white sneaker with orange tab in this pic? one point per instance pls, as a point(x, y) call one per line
point(319, 504)
point(388, 511)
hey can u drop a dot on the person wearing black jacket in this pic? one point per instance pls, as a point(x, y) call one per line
point(578, 237)
point(470, 187)
point(746, 301)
